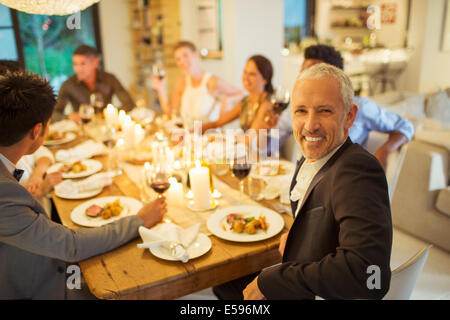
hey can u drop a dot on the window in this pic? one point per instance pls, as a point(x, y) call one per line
point(298, 21)
point(49, 41)
point(8, 46)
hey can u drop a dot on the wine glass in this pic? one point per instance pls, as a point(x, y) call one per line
point(280, 99)
point(158, 71)
point(97, 102)
point(159, 180)
point(86, 113)
point(109, 139)
point(241, 168)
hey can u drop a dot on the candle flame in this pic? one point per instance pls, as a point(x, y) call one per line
point(198, 164)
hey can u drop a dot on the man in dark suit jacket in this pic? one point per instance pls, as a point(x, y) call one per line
point(342, 229)
point(34, 249)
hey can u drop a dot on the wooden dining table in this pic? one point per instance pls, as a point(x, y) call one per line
point(128, 272)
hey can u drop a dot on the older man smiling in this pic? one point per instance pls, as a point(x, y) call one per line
point(339, 198)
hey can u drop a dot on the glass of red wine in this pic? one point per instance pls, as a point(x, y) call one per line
point(86, 113)
point(280, 99)
point(159, 181)
point(98, 103)
point(241, 168)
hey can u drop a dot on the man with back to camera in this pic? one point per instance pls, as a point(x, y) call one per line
point(370, 116)
point(88, 79)
point(339, 198)
point(33, 249)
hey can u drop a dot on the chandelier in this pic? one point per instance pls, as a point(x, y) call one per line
point(49, 7)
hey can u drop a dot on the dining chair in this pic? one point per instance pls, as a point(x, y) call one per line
point(404, 278)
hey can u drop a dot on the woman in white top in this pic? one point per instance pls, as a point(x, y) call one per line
point(197, 92)
point(34, 177)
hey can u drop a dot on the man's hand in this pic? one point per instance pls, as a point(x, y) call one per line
point(153, 212)
point(282, 245)
point(252, 292)
point(382, 155)
point(50, 180)
point(34, 183)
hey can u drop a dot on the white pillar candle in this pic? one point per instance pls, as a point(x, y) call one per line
point(199, 179)
point(111, 115)
point(175, 193)
point(122, 117)
point(128, 132)
point(138, 134)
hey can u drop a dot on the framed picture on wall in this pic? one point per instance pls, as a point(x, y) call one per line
point(446, 29)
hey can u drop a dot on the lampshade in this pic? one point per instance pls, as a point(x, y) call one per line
point(49, 7)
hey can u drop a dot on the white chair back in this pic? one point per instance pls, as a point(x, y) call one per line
point(404, 277)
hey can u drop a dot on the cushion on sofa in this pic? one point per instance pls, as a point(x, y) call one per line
point(438, 106)
point(443, 201)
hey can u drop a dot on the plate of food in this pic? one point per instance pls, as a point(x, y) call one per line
point(245, 223)
point(100, 211)
point(270, 168)
point(55, 138)
point(77, 169)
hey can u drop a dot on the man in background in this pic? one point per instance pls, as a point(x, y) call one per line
point(370, 116)
point(87, 80)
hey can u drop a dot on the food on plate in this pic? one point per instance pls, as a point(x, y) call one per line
point(109, 210)
point(56, 135)
point(75, 167)
point(250, 225)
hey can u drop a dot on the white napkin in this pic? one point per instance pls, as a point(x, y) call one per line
point(85, 150)
point(277, 186)
point(94, 182)
point(167, 233)
point(63, 126)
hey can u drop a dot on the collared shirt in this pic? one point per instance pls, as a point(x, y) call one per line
point(77, 92)
point(8, 164)
point(371, 116)
point(305, 175)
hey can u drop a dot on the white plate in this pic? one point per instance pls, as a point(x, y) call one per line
point(287, 166)
point(81, 195)
point(78, 215)
point(70, 136)
point(274, 220)
point(92, 166)
point(199, 247)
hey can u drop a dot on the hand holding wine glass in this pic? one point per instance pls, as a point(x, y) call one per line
point(158, 77)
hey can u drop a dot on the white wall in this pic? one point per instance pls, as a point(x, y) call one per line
point(429, 67)
point(249, 27)
point(116, 39)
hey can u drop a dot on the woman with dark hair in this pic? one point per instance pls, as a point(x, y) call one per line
point(253, 108)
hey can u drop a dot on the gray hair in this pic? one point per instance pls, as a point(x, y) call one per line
point(327, 70)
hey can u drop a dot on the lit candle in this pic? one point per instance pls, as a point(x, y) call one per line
point(128, 132)
point(175, 193)
point(199, 179)
point(138, 134)
point(122, 117)
point(111, 115)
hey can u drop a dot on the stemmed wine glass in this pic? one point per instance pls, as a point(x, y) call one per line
point(158, 71)
point(159, 178)
point(109, 139)
point(86, 113)
point(241, 168)
point(97, 102)
point(280, 99)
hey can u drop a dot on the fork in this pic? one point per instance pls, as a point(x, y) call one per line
point(173, 250)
